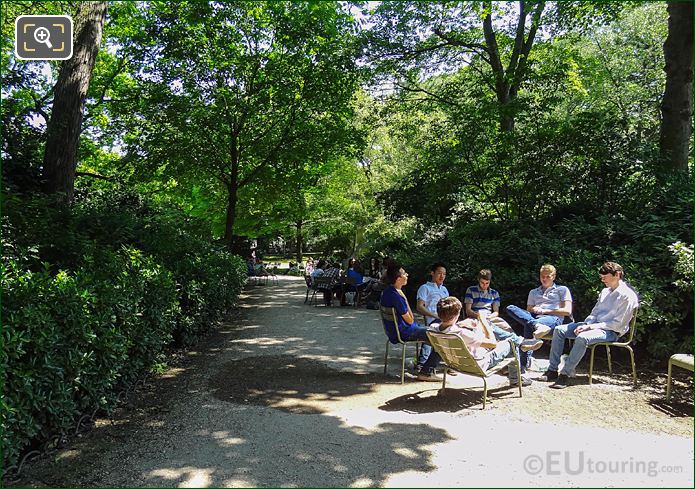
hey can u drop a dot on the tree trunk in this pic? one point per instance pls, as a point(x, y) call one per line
point(677, 103)
point(300, 241)
point(231, 213)
point(64, 127)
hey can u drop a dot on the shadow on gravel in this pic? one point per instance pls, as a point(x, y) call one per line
point(286, 382)
point(453, 401)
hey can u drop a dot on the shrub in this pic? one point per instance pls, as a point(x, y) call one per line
point(70, 337)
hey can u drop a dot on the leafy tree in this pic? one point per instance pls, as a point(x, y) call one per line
point(416, 40)
point(232, 95)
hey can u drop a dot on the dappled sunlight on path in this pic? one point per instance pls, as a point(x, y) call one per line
point(290, 395)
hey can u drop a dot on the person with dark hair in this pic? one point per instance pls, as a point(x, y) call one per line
point(429, 294)
point(318, 271)
point(408, 328)
point(608, 320)
point(481, 339)
point(482, 300)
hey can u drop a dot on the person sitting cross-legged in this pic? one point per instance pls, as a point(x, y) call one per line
point(609, 319)
point(408, 329)
point(480, 337)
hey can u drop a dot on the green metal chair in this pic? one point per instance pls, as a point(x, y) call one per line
point(456, 355)
point(681, 360)
point(621, 344)
point(389, 314)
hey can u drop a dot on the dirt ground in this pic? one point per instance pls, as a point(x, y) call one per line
point(290, 395)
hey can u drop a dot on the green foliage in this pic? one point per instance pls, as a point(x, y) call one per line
point(642, 242)
point(91, 297)
point(70, 337)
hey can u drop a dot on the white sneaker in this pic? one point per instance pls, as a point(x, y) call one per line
point(530, 345)
point(541, 331)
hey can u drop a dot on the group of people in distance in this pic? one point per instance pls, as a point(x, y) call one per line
point(490, 338)
point(338, 282)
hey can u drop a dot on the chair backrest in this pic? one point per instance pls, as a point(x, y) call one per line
point(389, 314)
point(454, 352)
point(307, 279)
point(633, 322)
point(323, 283)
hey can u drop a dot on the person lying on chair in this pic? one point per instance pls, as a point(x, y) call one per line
point(479, 336)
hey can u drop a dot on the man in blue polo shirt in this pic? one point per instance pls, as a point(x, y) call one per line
point(394, 297)
point(546, 308)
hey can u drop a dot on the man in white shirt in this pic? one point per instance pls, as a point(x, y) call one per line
point(608, 320)
point(428, 295)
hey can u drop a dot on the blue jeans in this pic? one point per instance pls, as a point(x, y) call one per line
point(428, 359)
point(502, 336)
point(581, 343)
point(528, 320)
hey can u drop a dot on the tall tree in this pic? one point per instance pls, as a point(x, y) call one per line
point(677, 103)
point(416, 40)
point(232, 95)
point(64, 125)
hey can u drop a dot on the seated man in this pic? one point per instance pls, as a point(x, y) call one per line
point(409, 330)
point(546, 308)
point(335, 285)
point(609, 319)
point(481, 300)
point(429, 294)
point(480, 338)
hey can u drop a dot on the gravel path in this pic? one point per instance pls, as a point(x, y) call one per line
point(289, 395)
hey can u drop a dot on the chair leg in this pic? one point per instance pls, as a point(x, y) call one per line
point(591, 362)
point(403, 364)
point(668, 382)
point(306, 299)
point(610, 365)
point(634, 369)
point(443, 391)
point(386, 356)
point(518, 376)
point(485, 391)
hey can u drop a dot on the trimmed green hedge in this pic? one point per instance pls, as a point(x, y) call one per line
point(91, 297)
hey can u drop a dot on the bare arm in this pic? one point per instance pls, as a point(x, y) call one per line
point(564, 310)
point(422, 309)
point(470, 312)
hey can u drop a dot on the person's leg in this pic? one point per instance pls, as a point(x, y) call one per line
point(521, 316)
point(428, 360)
point(499, 353)
point(557, 346)
point(425, 352)
point(501, 335)
point(581, 343)
point(501, 323)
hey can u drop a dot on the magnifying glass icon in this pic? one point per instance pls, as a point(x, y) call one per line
point(43, 36)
